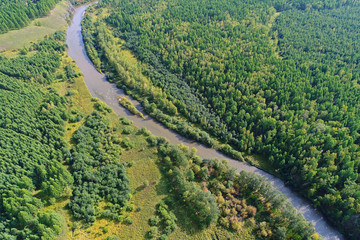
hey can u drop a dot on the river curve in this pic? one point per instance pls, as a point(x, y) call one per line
point(99, 87)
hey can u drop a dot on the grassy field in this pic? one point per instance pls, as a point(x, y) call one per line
point(37, 29)
point(146, 181)
point(145, 196)
point(148, 187)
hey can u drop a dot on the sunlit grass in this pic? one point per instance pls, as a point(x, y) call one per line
point(37, 29)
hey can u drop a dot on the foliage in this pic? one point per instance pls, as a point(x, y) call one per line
point(129, 106)
point(79, 2)
point(200, 204)
point(39, 67)
point(217, 62)
point(97, 172)
point(240, 199)
point(164, 220)
point(31, 146)
point(18, 14)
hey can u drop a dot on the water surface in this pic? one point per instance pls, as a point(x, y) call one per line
point(99, 87)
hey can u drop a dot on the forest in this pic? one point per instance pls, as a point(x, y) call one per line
point(42, 168)
point(276, 78)
point(97, 172)
point(18, 13)
point(33, 149)
point(213, 192)
point(31, 127)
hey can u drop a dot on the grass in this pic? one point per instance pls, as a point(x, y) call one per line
point(145, 197)
point(80, 101)
point(143, 169)
point(261, 161)
point(146, 181)
point(37, 29)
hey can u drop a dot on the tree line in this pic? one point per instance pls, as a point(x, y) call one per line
point(301, 110)
point(18, 14)
point(31, 147)
point(214, 193)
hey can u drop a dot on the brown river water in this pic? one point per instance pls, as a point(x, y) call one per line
point(107, 92)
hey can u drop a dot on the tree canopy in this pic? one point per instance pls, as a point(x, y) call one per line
point(279, 78)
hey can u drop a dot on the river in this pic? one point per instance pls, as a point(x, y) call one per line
point(99, 87)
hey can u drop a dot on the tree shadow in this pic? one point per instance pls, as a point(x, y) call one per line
point(139, 189)
point(185, 220)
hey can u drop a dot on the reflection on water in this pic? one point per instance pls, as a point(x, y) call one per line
point(107, 92)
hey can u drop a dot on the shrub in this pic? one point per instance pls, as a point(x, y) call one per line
point(128, 220)
point(153, 232)
point(154, 221)
point(127, 130)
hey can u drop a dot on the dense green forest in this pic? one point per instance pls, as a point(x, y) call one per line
point(211, 191)
point(39, 168)
point(33, 150)
point(31, 127)
point(279, 78)
point(236, 72)
point(18, 13)
point(79, 2)
point(97, 171)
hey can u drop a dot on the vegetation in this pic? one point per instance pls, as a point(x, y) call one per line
point(18, 14)
point(31, 127)
point(68, 163)
point(129, 106)
point(97, 172)
point(242, 73)
point(213, 192)
point(37, 29)
point(33, 177)
point(165, 219)
point(79, 2)
point(115, 58)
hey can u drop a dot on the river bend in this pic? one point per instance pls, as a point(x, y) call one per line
point(99, 87)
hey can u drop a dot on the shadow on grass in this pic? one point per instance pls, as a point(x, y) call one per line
point(139, 189)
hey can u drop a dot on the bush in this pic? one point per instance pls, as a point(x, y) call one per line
point(154, 221)
point(70, 93)
point(152, 140)
point(127, 130)
point(163, 237)
point(128, 220)
point(127, 144)
point(130, 208)
point(144, 132)
point(125, 121)
point(153, 232)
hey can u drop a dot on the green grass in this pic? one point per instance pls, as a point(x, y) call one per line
point(146, 196)
point(37, 29)
point(145, 169)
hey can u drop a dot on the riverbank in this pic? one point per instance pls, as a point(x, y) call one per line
point(99, 87)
